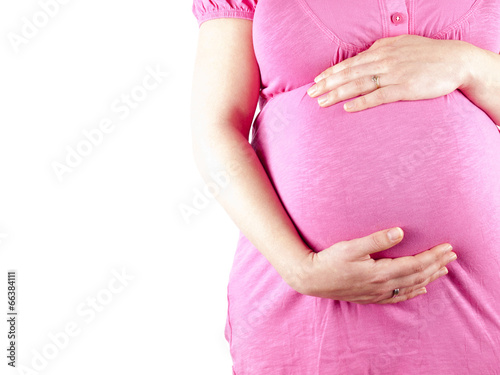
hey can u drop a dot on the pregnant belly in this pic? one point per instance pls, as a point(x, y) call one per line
point(431, 167)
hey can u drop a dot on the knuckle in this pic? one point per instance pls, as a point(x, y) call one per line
point(432, 278)
point(359, 83)
point(328, 81)
point(380, 298)
point(346, 72)
point(388, 60)
point(381, 95)
point(421, 283)
point(321, 84)
point(420, 279)
point(332, 95)
point(380, 56)
point(419, 267)
point(381, 278)
point(328, 97)
point(437, 256)
point(381, 66)
point(361, 101)
point(411, 290)
point(328, 71)
point(375, 295)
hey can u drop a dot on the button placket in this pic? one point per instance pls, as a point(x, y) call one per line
point(397, 12)
point(398, 18)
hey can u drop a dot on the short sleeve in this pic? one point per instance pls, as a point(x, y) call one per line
point(205, 10)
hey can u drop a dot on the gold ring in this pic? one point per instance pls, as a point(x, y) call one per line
point(376, 79)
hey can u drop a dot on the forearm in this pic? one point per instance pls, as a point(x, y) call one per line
point(250, 199)
point(482, 80)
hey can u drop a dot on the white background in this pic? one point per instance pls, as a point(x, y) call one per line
point(118, 209)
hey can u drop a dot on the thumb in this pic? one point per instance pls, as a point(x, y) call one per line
point(382, 240)
point(384, 41)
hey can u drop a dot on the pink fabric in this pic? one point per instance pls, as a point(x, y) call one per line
point(205, 10)
point(429, 166)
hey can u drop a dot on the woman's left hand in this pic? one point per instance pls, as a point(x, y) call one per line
point(410, 67)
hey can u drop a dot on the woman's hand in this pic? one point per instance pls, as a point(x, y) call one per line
point(345, 271)
point(410, 67)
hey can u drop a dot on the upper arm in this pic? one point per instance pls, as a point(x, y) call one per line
point(226, 78)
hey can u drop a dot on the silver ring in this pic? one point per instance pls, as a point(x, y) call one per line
point(376, 79)
point(395, 292)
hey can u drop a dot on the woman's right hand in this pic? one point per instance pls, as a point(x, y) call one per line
point(347, 272)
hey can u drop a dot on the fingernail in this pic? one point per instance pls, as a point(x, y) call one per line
point(447, 248)
point(349, 105)
point(443, 271)
point(322, 100)
point(312, 90)
point(453, 256)
point(395, 234)
point(422, 291)
point(318, 78)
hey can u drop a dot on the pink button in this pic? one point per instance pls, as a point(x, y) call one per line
point(398, 18)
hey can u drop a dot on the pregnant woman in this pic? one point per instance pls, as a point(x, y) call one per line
point(375, 148)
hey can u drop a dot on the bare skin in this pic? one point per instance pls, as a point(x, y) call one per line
point(225, 91)
point(413, 67)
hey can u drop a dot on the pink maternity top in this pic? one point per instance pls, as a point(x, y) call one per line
point(431, 167)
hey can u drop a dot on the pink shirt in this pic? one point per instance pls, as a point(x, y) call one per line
point(431, 167)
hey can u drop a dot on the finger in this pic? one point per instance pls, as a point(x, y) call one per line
point(407, 290)
point(375, 242)
point(349, 74)
point(401, 297)
point(410, 292)
point(420, 278)
point(386, 94)
point(359, 86)
point(385, 41)
point(363, 57)
point(411, 270)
